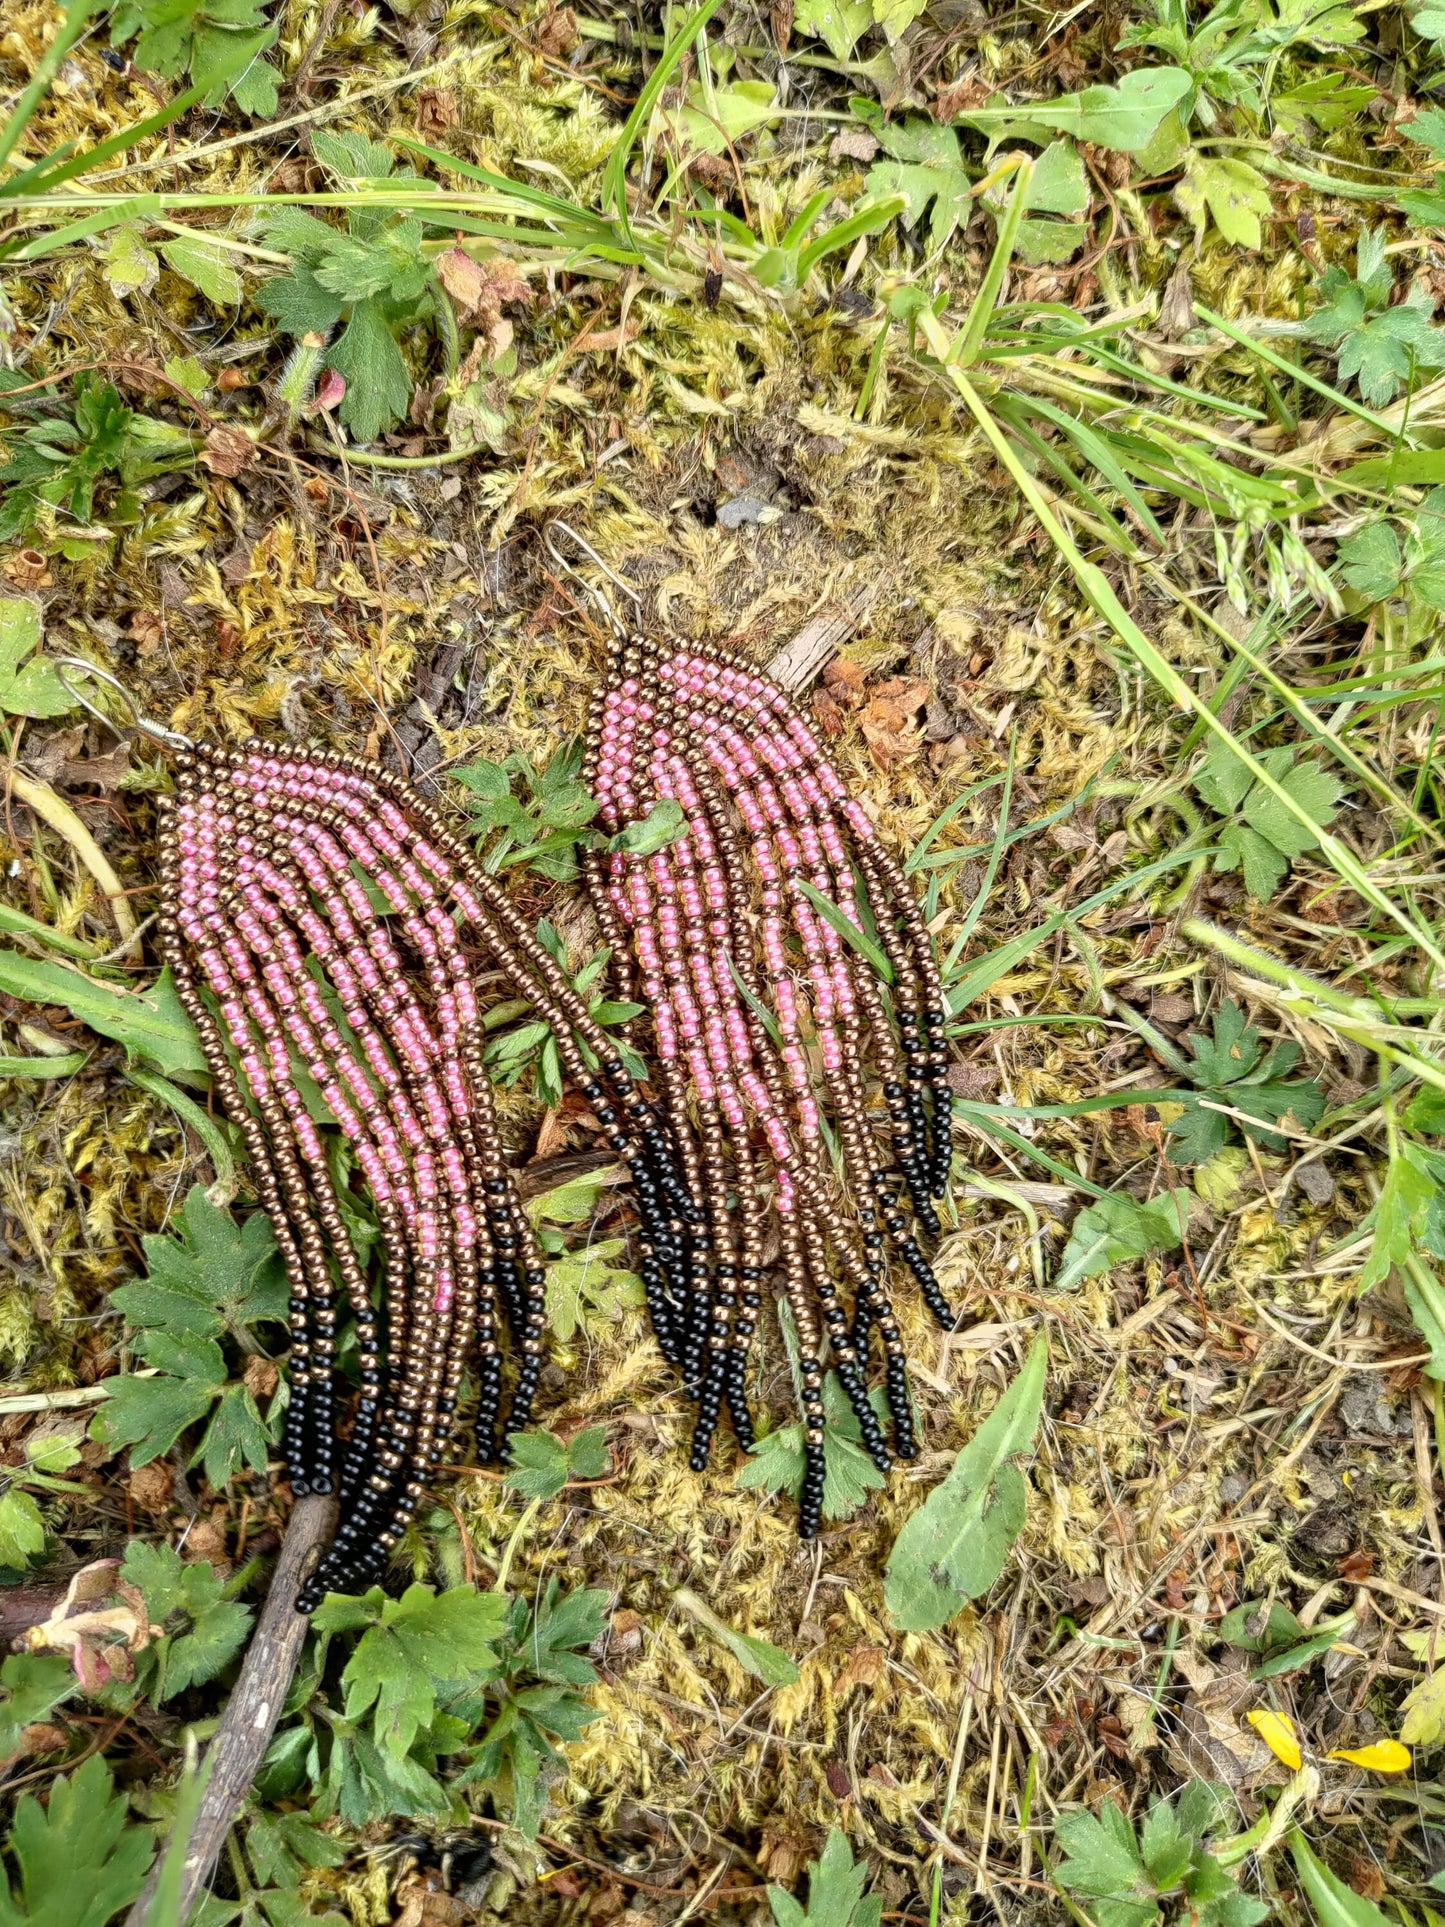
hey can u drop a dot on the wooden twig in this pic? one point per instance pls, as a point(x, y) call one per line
point(818, 641)
point(255, 1704)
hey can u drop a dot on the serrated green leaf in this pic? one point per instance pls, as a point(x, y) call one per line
point(776, 1461)
point(836, 1892)
point(1101, 1856)
point(149, 1414)
point(235, 1435)
point(1371, 562)
point(213, 1275)
point(1254, 856)
point(1316, 791)
point(587, 1453)
point(1399, 1215)
point(128, 265)
point(539, 1465)
point(1230, 191)
point(423, 1639)
point(378, 387)
point(152, 1024)
point(78, 1860)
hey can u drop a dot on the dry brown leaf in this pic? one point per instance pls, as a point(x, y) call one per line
point(864, 1668)
point(436, 111)
point(557, 32)
point(481, 289)
point(227, 451)
point(100, 1642)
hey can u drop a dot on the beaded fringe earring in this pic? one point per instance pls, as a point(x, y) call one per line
point(322, 905)
point(733, 937)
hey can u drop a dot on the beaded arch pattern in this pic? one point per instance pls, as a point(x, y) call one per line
point(729, 937)
point(263, 854)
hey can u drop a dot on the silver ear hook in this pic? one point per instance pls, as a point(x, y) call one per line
point(168, 738)
point(569, 568)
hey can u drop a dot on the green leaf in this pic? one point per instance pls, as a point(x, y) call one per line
point(836, 1896)
point(129, 266)
point(299, 302)
point(1428, 128)
point(561, 1624)
point(352, 157)
point(235, 1434)
point(213, 1276)
point(378, 387)
point(1393, 349)
point(1231, 1052)
point(1224, 781)
point(955, 1546)
point(587, 1280)
point(1058, 185)
point(78, 1861)
point(587, 1454)
point(1334, 1904)
point(927, 169)
point(1231, 1067)
point(22, 1530)
point(27, 688)
point(712, 121)
point(422, 1639)
point(839, 24)
point(1255, 857)
point(539, 1465)
point(776, 1462)
point(1371, 562)
point(1422, 1711)
point(574, 1202)
point(1316, 791)
point(205, 265)
point(1102, 1861)
point(1125, 117)
point(1399, 1216)
point(204, 1629)
point(1232, 191)
point(663, 824)
point(755, 1655)
point(149, 1414)
point(151, 1024)
point(31, 1686)
point(1116, 1228)
point(489, 780)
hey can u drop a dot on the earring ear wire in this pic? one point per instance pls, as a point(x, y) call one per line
point(147, 726)
point(569, 568)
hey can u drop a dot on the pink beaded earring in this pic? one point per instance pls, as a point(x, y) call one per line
point(317, 917)
point(744, 940)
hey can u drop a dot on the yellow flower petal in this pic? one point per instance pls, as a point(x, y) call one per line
point(1385, 1756)
point(1277, 1732)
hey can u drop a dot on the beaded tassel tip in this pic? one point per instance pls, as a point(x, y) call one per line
point(315, 917)
point(770, 1030)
